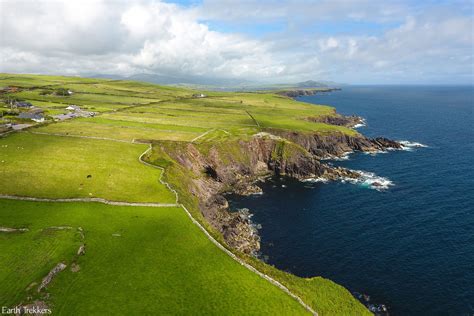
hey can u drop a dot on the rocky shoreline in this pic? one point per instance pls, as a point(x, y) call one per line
point(302, 92)
point(273, 152)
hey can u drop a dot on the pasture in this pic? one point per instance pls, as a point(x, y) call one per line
point(48, 166)
point(138, 260)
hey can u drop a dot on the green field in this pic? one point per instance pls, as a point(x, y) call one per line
point(67, 167)
point(160, 264)
point(139, 260)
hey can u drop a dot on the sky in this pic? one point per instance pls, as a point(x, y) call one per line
point(347, 41)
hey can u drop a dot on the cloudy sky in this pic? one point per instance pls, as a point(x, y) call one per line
point(351, 41)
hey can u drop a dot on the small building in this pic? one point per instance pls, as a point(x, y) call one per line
point(37, 117)
point(199, 95)
point(73, 107)
point(34, 115)
point(22, 104)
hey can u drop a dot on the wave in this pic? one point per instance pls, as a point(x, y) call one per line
point(370, 180)
point(362, 123)
point(367, 179)
point(376, 152)
point(345, 156)
point(316, 180)
point(409, 146)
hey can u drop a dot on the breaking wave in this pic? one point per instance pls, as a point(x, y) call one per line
point(370, 180)
point(316, 180)
point(345, 156)
point(409, 146)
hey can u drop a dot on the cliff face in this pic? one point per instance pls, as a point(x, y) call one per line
point(336, 144)
point(339, 120)
point(234, 166)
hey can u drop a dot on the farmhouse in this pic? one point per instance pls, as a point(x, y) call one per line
point(73, 107)
point(34, 115)
point(199, 95)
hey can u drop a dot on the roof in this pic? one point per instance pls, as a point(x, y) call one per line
point(30, 115)
point(23, 104)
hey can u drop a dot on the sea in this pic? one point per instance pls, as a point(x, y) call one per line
point(408, 244)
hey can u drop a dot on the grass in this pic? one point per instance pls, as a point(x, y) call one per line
point(160, 264)
point(58, 167)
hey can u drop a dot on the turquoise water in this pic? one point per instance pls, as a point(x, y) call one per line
point(410, 246)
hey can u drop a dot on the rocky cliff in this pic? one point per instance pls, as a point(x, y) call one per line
point(235, 166)
point(302, 92)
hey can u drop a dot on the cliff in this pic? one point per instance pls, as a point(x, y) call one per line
point(214, 169)
point(302, 92)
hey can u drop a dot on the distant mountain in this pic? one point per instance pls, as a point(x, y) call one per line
point(197, 81)
point(318, 84)
point(223, 84)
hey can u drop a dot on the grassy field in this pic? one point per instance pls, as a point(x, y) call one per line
point(66, 167)
point(160, 264)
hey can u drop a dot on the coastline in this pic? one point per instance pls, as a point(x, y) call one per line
point(215, 170)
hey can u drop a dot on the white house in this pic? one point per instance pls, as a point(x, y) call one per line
point(73, 107)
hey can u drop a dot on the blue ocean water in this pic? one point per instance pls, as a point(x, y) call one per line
point(411, 246)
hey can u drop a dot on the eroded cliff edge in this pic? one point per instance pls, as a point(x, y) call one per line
point(205, 172)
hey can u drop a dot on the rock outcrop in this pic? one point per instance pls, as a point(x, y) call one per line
point(336, 144)
point(338, 120)
point(47, 279)
point(302, 92)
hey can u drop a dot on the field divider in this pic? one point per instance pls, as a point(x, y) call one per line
point(81, 136)
point(88, 200)
point(202, 135)
point(221, 247)
point(253, 118)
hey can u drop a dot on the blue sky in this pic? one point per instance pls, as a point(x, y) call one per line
point(351, 41)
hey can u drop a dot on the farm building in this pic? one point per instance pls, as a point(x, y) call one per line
point(73, 107)
point(34, 115)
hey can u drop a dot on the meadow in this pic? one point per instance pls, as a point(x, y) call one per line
point(48, 166)
point(139, 260)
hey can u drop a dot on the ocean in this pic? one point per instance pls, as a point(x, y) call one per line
point(409, 246)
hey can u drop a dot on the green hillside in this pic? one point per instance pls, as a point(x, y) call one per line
point(148, 257)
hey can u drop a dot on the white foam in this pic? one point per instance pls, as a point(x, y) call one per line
point(362, 123)
point(376, 152)
point(345, 156)
point(316, 180)
point(409, 146)
point(370, 180)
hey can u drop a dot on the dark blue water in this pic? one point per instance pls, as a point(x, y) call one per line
point(411, 246)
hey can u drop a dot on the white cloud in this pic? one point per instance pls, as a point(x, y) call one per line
point(127, 37)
